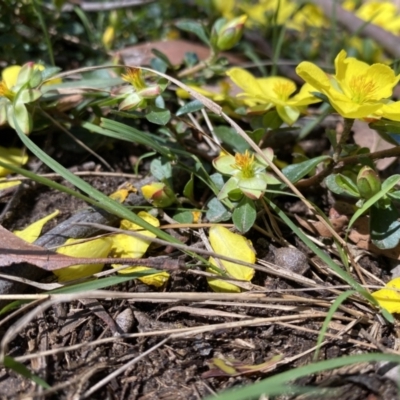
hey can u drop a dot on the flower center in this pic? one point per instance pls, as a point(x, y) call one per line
point(245, 164)
point(283, 89)
point(134, 77)
point(6, 92)
point(362, 88)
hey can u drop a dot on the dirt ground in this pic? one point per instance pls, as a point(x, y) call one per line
point(166, 343)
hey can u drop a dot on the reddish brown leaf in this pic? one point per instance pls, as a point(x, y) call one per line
point(175, 50)
point(14, 250)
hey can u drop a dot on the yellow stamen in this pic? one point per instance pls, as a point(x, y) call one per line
point(5, 91)
point(245, 163)
point(134, 77)
point(362, 88)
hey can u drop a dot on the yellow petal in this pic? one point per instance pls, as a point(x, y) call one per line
point(97, 248)
point(5, 184)
point(13, 156)
point(232, 245)
point(390, 111)
point(125, 246)
point(314, 76)
point(32, 232)
point(158, 280)
point(245, 81)
point(387, 298)
point(10, 75)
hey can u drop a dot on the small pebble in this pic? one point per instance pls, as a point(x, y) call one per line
point(125, 320)
point(292, 259)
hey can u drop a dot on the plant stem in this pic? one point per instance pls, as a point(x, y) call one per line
point(348, 124)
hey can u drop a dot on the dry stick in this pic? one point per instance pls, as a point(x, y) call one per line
point(92, 6)
point(174, 333)
point(218, 110)
point(122, 369)
point(353, 24)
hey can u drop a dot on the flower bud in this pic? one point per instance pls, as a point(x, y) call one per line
point(158, 194)
point(29, 75)
point(134, 100)
point(368, 182)
point(226, 36)
point(150, 92)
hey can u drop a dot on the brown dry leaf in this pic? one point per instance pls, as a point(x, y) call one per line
point(175, 50)
point(14, 250)
point(359, 234)
point(231, 367)
point(318, 228)
point(364, 136)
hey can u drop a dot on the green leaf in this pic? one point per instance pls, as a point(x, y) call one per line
point(336, 304)
point(271, 120)
point(159, 116)
point(161, 169)
point(216, 211)
point(21, 114)
point(20, 369)
point(347, 185)
point(121, 131)
point(395, 195)
point(387, 185)
point(184, 217)
point(188, 190)
point(280, 383)
point(295, 172)
point(244, 215)
point(231, 138)
point(192, 106)
point(388, 130)
point(162, 56)
point(384, 227)
point(194, 27)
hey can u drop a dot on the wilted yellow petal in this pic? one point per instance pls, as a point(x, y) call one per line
point(232, 245)
point(4, 184)
point(32, 232)
point(97, 248)
point(388, 298)
point(125, 246)
point(13, 156)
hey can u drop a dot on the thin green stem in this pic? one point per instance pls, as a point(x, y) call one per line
point(38, 12)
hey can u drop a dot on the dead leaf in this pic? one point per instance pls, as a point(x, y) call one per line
point(359, 234)
point(175, 50)
point(231, 367)
point(364, 136)
point(14, 250)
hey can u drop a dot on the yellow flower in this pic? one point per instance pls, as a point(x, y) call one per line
point(267, 11)
point(134, 77)
point(384, 14)
point(266, 93)
point(308, 15)
point(225, 7)
point(357, 90)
